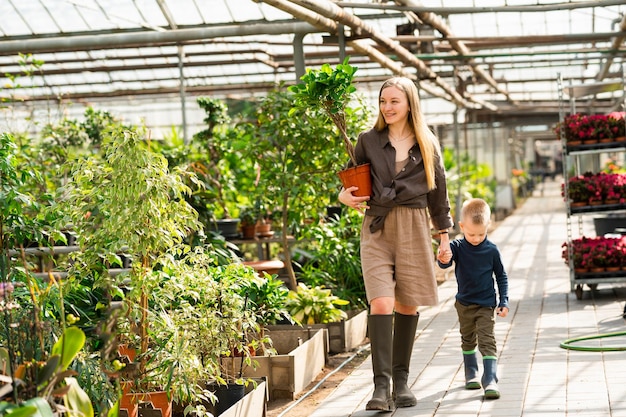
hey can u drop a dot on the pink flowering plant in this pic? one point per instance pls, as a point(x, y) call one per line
point(617, 124)
point(602, 187)
point(580, 127)
point(596, 252)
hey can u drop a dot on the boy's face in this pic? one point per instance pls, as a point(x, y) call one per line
point(474, 233)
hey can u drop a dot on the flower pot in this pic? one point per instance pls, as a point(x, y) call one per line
point(264, 229)
point(229, 228)
point(152, 404)
point(227, 396)
point(128, 407)
point(248, 231)
point(358, 176)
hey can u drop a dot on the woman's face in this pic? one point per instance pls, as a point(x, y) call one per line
point(393, 105)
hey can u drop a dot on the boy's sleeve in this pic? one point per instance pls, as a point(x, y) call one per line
point(502, 280)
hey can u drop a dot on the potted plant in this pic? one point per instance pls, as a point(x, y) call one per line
point(331, 90)
point(617, 125)
point(127, 201)
point(214, 186)
point(37, 345)
point(579, 190)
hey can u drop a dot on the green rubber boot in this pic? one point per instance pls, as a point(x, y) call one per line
point(489, 379)
point(471, 370)
point(380, 328)
point(403, 337)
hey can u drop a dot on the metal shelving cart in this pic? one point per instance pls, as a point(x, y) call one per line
point(572, 160)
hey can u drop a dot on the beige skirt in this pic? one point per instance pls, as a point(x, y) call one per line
point(398, 261)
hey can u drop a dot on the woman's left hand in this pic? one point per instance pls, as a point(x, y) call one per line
point(444, 254)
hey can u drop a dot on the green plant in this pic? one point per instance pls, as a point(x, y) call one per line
point(212, 167)
point(329, 89)
point(334, 260)
point(315, 305)
point(36, 346)
point(127, 201)
point(292, 145)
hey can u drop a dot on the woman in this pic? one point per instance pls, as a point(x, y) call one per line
point(408, 194)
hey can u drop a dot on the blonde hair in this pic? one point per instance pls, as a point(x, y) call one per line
point(426, 139)
point(477, 210)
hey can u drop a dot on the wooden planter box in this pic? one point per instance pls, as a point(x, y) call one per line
point(253, 404)
point(301, 357)
point(343, 336)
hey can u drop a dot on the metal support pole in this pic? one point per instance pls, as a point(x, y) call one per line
point(298, 55)
point(183, 105)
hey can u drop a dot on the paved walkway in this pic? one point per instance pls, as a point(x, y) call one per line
point(537, 377)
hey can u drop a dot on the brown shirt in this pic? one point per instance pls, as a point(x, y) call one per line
point(406, 188)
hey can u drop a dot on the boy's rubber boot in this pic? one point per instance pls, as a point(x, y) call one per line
point(471, 370)
point(380, 328)
point(489, 379)
point(403, 337)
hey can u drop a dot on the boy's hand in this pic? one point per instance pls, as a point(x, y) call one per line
point(444, 256)
point(503, 311)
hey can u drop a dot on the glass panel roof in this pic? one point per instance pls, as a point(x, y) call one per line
point(500, 56)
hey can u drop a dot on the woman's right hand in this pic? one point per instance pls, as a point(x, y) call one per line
point(347, 198)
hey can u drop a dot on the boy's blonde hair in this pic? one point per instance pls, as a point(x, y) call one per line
point(477, 211)
point(426, 139)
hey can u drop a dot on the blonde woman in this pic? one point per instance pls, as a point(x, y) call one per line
point(409, 195)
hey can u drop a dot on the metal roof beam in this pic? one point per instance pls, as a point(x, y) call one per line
point(142, 39)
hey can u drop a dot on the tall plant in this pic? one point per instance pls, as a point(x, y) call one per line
point(291, 148)
point(128, 201)
point(34, 367)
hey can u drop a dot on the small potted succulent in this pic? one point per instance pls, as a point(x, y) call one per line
point(330, 89)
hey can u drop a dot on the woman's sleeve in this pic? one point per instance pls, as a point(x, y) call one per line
point(438, 202)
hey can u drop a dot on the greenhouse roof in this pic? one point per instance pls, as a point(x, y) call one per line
point(492, 56)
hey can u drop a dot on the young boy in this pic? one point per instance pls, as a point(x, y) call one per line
point(477, 260)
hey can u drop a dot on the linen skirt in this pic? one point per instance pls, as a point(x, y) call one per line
point(398, 260)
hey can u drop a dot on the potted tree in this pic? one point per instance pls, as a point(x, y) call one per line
point(331, 90)
point(127, 201)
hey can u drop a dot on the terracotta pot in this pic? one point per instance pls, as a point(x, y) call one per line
point(248, 231)
point(127, 403)
point(264, 229)
point(357, 176)
point(150, 403)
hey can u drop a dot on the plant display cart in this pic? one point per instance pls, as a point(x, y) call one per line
point(575, 153)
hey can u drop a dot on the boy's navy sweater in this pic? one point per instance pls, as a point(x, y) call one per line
point(475, 269)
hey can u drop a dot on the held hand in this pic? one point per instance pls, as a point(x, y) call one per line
point(359, 203)
point(444, 256)
point(503, 311)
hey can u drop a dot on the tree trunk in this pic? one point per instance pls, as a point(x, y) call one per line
point(293, 284)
